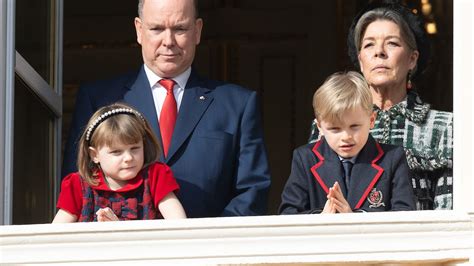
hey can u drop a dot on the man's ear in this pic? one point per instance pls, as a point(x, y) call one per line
point(94, 155)
point(138, 29)
point(198, 26)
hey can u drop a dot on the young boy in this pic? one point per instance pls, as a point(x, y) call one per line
point(347, 170)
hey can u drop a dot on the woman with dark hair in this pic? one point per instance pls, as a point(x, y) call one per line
point(388, 43)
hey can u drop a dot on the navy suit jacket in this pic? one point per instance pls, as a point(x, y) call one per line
point(217, 152)
point(380, 179)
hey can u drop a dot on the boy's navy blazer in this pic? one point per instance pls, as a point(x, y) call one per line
point(217, 152)
point(380, 179)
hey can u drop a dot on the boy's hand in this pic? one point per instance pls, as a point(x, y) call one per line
point(106, 215)
point(329, 207)
point(337, 198)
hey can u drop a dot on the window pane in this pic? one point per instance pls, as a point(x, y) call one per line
point(33, 160)
point(33, 35)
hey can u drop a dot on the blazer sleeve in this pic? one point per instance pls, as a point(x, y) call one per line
point(295, 195)
point(403, 198)
point(83, 110)
point(252, 176)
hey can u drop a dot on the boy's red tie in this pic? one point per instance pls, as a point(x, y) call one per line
point(168, 114)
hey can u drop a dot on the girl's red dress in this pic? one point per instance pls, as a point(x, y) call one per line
point(138, 200)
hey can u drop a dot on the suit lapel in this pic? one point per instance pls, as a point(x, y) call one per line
point(328, 169)
point(365, 173)
point(140, 96)
point(196, 100)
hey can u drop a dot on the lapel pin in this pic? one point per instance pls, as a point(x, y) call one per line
point(202, 98)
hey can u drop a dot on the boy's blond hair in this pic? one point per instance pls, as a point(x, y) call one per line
point(341, 92)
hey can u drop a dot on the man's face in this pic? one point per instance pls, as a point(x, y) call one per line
point(168, 33)
point(348, 137)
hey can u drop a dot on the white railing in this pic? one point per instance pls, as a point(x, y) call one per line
point(393, 237)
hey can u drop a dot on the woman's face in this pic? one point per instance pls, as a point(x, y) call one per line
point(384, 57)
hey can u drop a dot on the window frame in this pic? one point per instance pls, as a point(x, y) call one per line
point(463, 98)
point(7, 78)
point(49, 94)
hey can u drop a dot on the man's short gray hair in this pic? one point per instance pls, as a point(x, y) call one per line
point(141, 2)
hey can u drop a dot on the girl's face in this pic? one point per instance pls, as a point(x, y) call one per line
point(119, 162)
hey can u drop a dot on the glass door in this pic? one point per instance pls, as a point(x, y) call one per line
point(33, 111)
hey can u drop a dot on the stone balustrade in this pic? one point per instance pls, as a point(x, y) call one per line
point(418, 238)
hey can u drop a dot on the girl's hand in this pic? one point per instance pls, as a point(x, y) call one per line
point(106, 215)
point(340, 203)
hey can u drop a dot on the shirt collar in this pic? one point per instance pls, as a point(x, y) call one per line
point(131, 185)
point(352, 159)
point(181, 79)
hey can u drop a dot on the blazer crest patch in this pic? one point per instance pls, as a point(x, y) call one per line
point(375, 198)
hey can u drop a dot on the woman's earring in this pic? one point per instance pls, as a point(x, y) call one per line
point(409, 85)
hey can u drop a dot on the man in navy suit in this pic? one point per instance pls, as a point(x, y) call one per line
point(216, 151)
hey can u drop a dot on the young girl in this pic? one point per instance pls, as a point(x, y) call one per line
point(118, 178)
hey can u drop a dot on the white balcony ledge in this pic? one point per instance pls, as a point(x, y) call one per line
point(427, 237)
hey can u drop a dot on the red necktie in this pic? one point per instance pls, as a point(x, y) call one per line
point(168, 114)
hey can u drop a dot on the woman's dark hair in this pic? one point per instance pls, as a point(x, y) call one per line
point(393, 11)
